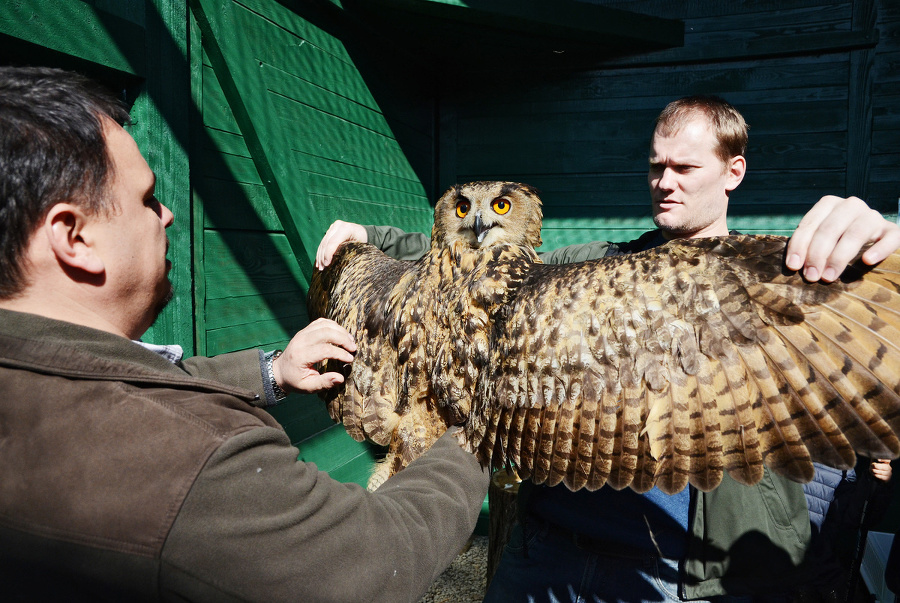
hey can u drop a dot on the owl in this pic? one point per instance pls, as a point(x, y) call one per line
point(659, 368)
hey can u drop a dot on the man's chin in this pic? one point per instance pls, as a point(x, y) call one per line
point(665, 221)
point(164, 298)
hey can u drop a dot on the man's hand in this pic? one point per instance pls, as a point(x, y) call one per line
point(295, 370)
point(339, 232)
point(833, 232)
point(881, 469)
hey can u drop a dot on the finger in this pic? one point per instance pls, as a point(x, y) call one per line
point(887, 244)
point(324, 330)
point(869, 226)
point(798, 246)
point(328, 351)
point(333, 237)
point(317, 383)
point(323, 253)
point(837, 239)
point(328, 380)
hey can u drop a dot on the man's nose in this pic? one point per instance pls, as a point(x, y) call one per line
point(167, 217)
point(667, 179)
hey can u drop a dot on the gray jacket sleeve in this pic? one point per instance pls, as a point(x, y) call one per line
point(260, 525)
point(576, 253)
point(398, 244)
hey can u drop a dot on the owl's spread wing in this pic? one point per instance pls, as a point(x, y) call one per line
point(358, 291)
point(702, 356)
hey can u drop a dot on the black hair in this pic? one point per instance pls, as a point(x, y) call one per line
point(52, 150)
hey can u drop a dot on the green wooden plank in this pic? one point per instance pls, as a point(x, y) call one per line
point(356, 471)
point(248, 309)
point(283, 17)
point(219, 141)
point(160, 125)
point(234, 168)
point(239, 77)
point(303, 113)
point(357, 185)
point(331, 448)
point(302, 416)
point(130, 11)
point(786, 33)
point(562, 18)
point(888, 66)
point(216, 111)
point(695, 10)
point(361, 182)
point(616, 89)
point(859, 121)
point(293, 65)
point(249, 263)
point(787, 19)
point(312, 132)
point(822, 150)
point(248, 205)
point(339, 208)
point(602, 120)
point(264, 334)
point(199, 215)
point(79, 30)
point(299, 90)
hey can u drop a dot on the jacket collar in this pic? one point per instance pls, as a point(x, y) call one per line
point(44, 345)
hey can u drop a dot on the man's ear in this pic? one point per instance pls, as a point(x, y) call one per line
point(737, 167)
point(66, 226)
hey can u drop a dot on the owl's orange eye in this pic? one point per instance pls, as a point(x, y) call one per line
point(501, 205)
point(462, 208)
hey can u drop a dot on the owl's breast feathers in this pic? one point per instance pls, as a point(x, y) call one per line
point(422, 328)
point(664, 367)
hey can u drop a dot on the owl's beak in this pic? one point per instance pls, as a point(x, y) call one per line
point(480, 228)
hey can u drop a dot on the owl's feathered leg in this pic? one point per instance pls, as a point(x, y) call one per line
point(417, 430)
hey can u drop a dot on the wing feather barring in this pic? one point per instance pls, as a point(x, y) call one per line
point(665, 367)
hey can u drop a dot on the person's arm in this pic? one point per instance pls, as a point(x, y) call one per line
point(260, 525)
point(575, 253)
point(239, 369)
point(393, 241)
point(397, 243)
point(831, 234)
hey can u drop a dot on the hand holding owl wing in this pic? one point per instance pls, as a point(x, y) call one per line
point(702, 356)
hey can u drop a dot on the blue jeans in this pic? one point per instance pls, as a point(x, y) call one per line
point(551, 567)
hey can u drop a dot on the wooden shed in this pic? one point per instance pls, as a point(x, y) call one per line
point(265, 120)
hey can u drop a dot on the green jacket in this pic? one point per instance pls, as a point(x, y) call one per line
point(125, 477)
point(743, 540)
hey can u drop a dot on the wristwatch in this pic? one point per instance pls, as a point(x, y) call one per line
point(276, 389)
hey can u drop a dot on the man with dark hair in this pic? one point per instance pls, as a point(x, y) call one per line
point(613, 545)
point(128, 473)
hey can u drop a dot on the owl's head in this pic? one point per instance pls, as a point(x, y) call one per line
point(480, 214)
